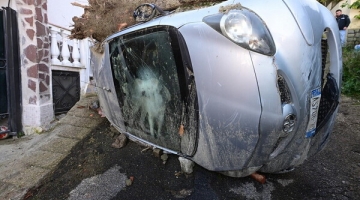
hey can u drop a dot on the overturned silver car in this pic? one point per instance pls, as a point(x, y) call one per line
point(237, 87)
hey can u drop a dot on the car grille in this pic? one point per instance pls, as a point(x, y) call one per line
point(324, 58)
point(330, 91)
point(285, 94)
point(329, 101)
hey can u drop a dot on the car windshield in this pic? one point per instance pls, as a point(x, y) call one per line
point(147, 86)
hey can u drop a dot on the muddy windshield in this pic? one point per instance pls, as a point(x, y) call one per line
point(147, 87)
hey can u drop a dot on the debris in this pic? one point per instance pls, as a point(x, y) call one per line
point(38, 130)
point(3, 128)
point(258, 177)
point(29, 194)
point(94, 105)
point(3, 135)
point(100, 112)
point(157, 152)
point(121, 26)
point(81, 107)
point(181, 130)
point(164, 158)
point(102, 18)
point(147, 148)
point(226, 9)
point(182, 193)
point(120, 141)
point(80, 5)
point(128, 182)
point(113, 129)
point(179, 173)
point(186, 165)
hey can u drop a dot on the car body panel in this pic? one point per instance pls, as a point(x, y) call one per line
point(223, 126)
point(109, 101)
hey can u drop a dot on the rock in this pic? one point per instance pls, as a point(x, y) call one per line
point(164, 158)
point(157, 152)
point(94, 105)
point(100, 112)
point(258, 177)
point(38, 130)
point(186, 165)
point(113, 129)
point(120, 141)
point(182, 193)
point(128, 182)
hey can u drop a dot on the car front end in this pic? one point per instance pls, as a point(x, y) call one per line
point(236, 87)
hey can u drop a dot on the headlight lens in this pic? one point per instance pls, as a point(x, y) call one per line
point(244, 28)
point(236, 26)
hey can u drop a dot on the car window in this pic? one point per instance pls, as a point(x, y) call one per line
point(147, 87)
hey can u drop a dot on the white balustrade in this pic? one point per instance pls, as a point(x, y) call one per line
point(54, 48)
point(68, 52)
point(70, 55)
point(65, 53)
point(76, 54)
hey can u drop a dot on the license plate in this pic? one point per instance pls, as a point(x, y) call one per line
point(313, 114)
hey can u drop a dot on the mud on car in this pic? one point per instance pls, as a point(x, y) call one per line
point(237, 87)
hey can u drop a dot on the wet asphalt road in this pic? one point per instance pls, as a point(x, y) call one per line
point(95, 170)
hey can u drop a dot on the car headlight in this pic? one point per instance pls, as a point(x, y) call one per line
point(245, 28)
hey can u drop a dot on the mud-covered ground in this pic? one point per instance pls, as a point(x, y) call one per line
point(334, 173)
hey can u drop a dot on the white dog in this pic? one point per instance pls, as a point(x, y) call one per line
point(150, 96)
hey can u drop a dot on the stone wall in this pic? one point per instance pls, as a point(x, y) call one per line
point(35, 61)
point(353, 37)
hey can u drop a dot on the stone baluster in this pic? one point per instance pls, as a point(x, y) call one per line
point(76, 54)
point(65, 53)
point(83, 54)
point(54, 49)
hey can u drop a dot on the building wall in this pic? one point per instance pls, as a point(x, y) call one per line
point(35, 62)
point(34, 20)
point(34, 44)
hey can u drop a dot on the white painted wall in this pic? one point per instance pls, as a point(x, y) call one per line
point(4, 3)
point(60, 13)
